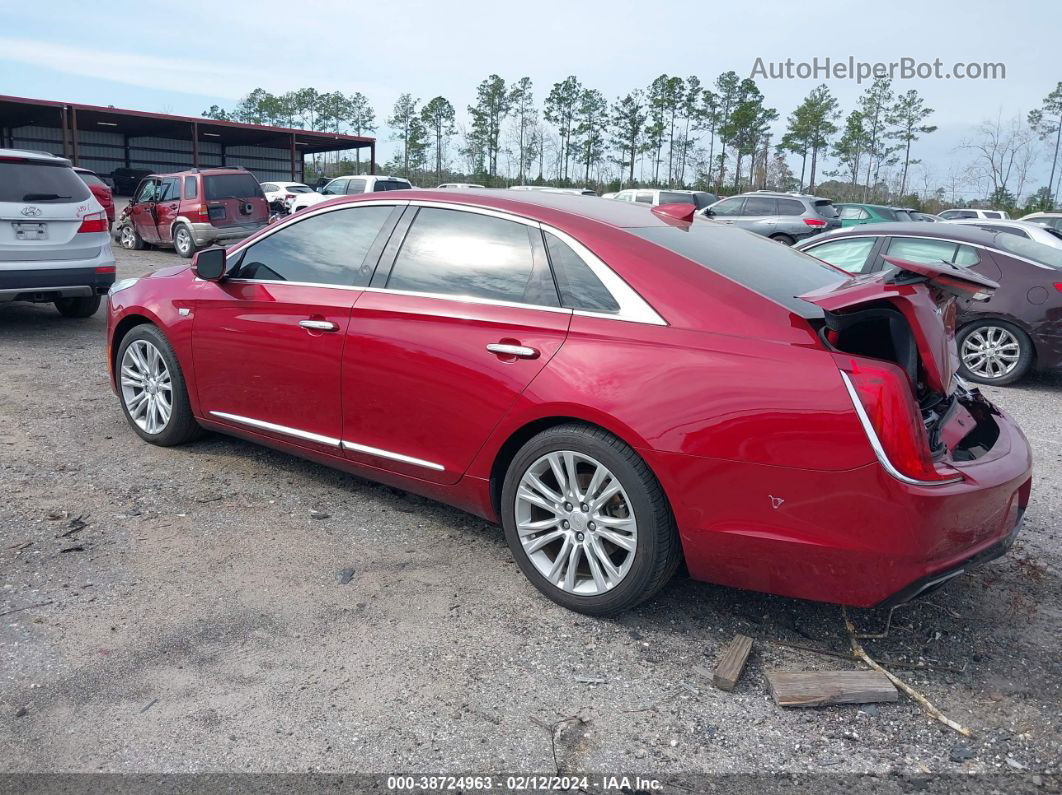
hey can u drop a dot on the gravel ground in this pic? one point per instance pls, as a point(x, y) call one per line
point(197, 620)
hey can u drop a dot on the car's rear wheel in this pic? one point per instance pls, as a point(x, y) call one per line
point(85, 306)
point(129, 238)
point(994, 352)
point(587, 521)
point(152, 389)
point(783, 239)
point(183, 242)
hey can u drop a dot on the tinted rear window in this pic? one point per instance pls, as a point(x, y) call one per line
point(825, 209)
point(765, 267)
point(90, 179)
point(43, 183)
point(671, 197)
point(229, 186)
point(1030, 249)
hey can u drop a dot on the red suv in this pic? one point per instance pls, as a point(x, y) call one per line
point(100, 190)
point(193, 209)
point(620, 386)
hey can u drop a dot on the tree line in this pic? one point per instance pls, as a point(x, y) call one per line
point(683, 132)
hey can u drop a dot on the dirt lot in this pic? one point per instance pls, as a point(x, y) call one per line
point(197, 620)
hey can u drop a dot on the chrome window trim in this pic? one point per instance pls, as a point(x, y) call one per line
point(875, 442)
point(633, 308)
point(282, 429)
point(978, 246)
point(297, 284)
point(405, 459)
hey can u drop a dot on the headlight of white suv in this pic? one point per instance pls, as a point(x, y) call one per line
point(120, 285)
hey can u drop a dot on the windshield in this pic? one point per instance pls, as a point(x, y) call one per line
point(1038, 252)
point(40, 182)
point(229, 186)
point(768, 268)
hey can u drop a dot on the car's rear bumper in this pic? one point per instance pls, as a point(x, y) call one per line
point(207, 234)
point(38, 281)
point(857, 537)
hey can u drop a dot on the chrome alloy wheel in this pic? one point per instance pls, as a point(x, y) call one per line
point(576, 523)
point(990, 352)
point(147, 389)
point(127, 237)
point(182, 240)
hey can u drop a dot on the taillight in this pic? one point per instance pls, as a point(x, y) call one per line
point(105, 269)
point(881, 395)
point(289, 195)
point(204, 212)
point(815, 222)
point(94, 222)
point(1058, 286)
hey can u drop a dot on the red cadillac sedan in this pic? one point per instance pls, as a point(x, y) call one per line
point(621, 387)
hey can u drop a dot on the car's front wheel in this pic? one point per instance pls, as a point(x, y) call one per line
point(587, 521)
point(85, 306)
point(129, 238)
point(994, 352)
point(152, 389)
point(183, 242)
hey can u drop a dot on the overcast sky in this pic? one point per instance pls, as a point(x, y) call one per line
point(183, 57)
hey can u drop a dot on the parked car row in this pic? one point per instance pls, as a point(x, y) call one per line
point(492, 350)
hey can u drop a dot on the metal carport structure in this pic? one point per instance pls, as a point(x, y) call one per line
point(104, 138)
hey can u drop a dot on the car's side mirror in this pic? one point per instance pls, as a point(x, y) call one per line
point(708, 211)
point(209, 264)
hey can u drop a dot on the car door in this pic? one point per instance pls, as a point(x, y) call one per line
point(143, 212)
point(727, 210)
point(758, 214)
point(268, 340)
point(167, 207)
point(462, 314)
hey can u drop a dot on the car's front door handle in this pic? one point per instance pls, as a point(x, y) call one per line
point(319, 325)
point(519, 351)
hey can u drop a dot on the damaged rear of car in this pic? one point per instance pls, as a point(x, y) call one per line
point(892, 335)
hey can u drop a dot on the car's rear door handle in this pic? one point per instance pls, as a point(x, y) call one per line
point(519, 351)
point(319, 325)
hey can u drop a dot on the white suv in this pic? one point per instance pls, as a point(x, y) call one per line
point(346, 186)
point(959, 214)
point(54, 242)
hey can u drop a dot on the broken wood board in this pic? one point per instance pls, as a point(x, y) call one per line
point(732, 663)
point(819, 688)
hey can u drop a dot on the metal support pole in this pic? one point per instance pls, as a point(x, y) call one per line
point(372, 157)
point(292, 157)
point(195, 145)
point(73, 130)
point(66, 135)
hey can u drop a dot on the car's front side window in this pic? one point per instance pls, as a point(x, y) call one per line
point(848, 255)
point(336, 187)
point(327, 249)
point(147, 192)
point(452, 252)
point(728, 206)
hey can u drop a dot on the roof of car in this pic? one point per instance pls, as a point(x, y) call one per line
point(782, 194)
point(1041, 215)
point(29, 154)
point(533, 204)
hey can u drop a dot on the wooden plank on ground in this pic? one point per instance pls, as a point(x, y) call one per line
point(732, 663)
point(818, 688)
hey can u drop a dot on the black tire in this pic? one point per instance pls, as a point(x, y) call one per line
point(78, 307)
point(1026, 352)
point(783, 239)
point(181, 426)
point(183, 242)
point(657, 553)
point(129, 238)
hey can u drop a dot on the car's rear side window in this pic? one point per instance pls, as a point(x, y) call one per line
point(452, 252)
point(579, 286)
point(40, 183)
point(760, 205)
point(228, 186)
point(774, 271)
point(791, 207)
point(191, 189)
point(328, 249)
point(90, 179)
point(929, 250)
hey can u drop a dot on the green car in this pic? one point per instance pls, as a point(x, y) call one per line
point(856, 214)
